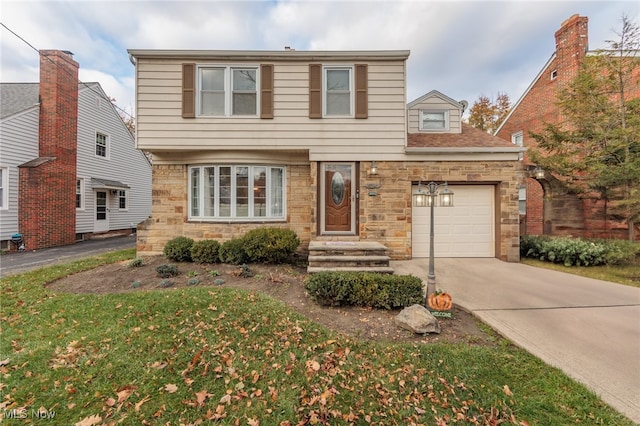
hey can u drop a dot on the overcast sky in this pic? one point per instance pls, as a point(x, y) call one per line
point(464, 49)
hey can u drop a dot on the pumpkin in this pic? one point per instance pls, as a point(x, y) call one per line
point(440, 301)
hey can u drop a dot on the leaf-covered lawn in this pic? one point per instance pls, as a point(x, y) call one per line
point(202, 355)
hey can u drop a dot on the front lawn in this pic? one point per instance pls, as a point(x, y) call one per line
point(195, 354)
point(621, 274)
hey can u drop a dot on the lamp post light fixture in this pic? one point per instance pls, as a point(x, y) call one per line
point(428, 198)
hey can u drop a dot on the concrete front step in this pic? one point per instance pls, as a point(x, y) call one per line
point(347, 260)
point(377, 269)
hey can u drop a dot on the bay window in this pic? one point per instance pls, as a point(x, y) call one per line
point(244, 192)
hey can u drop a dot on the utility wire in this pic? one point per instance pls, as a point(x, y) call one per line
point(67, 72)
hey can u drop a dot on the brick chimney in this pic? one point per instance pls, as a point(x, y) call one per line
point(572, 44)
point(47, 209)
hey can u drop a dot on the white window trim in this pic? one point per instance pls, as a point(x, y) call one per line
point(107, 145)
point(432, 111)
point(522, 196)
point(352, 101)
point(228, 89)
point(5, 188)
point(517, 139)
point(82, 194)
point(126, 200)
point(233, 217)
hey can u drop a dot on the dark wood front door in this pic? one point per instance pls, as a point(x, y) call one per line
point(338, 197)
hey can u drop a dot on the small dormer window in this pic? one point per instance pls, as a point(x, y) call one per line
point(554, 74)
point(434, 120)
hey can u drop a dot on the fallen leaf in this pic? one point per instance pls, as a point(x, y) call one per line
point(225, 399)
point(4, 362)
point(110, 402)
point(171, 388)
point(314, 365)
point(90, 421)
point(507, 391)
point(202, 396)
point(124, 394)
point(142, 401)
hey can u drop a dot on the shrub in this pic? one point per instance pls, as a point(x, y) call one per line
point(577, 251)
point(136, 263)
point(165, 284)
point(270, 245)
point(205, 251)
point(232, 251)
point(178, 249)
point(167, 270)
point(136, 284)
point(364, 289)
point(193, 281)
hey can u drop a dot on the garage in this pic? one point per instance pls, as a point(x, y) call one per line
point(464, 230)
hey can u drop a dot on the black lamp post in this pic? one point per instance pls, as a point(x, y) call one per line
point(428, 198)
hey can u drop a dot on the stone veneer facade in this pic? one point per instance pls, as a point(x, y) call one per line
point(385, 217)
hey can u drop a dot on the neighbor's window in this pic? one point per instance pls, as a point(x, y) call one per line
point(228, 91)
point(236, 192)
point(102, 145)
point(522, 200)
point(79, 192)
point(434, 120)
point(518, 139)
point(4, 177)
point(338, 93)
point(122, 199)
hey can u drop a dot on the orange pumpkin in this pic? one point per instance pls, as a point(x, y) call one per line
point(440, 301)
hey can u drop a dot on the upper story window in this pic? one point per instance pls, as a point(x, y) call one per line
point(79, 194)
point(102, 145)
point(338, 91)
point(434, 120)
point(518, 139)
point(4, 193)
point(122, 200)
point(227, 91)
point(241, 192)
point(554, 74)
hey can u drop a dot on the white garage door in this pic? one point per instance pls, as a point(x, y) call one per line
point(464, 230)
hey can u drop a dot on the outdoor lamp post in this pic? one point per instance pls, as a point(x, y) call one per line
point(428, 198)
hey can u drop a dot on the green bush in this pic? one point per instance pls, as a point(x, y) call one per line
point(136, 263)
point(205, 251)
point(577, 251)
point(178, 249)
point(364, 289)
point(270, 245)
point(166, 284)
point(193, 281)
point(232, 251)
point(167, 270)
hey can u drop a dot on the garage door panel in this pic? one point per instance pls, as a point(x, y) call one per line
point(464, 230)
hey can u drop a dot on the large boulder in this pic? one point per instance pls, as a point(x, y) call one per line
point(418, 319)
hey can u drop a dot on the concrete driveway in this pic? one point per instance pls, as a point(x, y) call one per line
point(588, 328)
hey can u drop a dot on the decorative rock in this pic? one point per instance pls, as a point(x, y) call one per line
point(418, 319)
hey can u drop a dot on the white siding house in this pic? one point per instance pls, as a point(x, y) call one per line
point(122, 178)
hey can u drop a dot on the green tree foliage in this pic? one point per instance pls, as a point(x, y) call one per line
point(486, 114)
point(595, 149)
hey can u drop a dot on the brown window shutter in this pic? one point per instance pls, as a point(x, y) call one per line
point(188, 90)
point(266, 91)
point(315, 91)
point(362, 86)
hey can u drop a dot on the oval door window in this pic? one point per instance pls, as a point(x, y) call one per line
point(337, 188)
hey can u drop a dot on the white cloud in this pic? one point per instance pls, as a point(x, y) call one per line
point(462, 48)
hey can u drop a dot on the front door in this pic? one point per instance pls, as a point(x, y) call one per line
point(338, 198)
point(101, 222)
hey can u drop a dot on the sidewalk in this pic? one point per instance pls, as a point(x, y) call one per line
point(590, 329)
point(17, 262)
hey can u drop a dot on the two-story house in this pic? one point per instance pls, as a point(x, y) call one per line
point(69, 168)
point(548, 207)
point(321, 142)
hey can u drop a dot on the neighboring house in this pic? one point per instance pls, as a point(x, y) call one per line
point(68, 164)
point(318, 142)
point(547, 207)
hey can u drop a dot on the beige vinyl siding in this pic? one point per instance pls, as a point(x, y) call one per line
point(434, 103)
point(160, 125)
